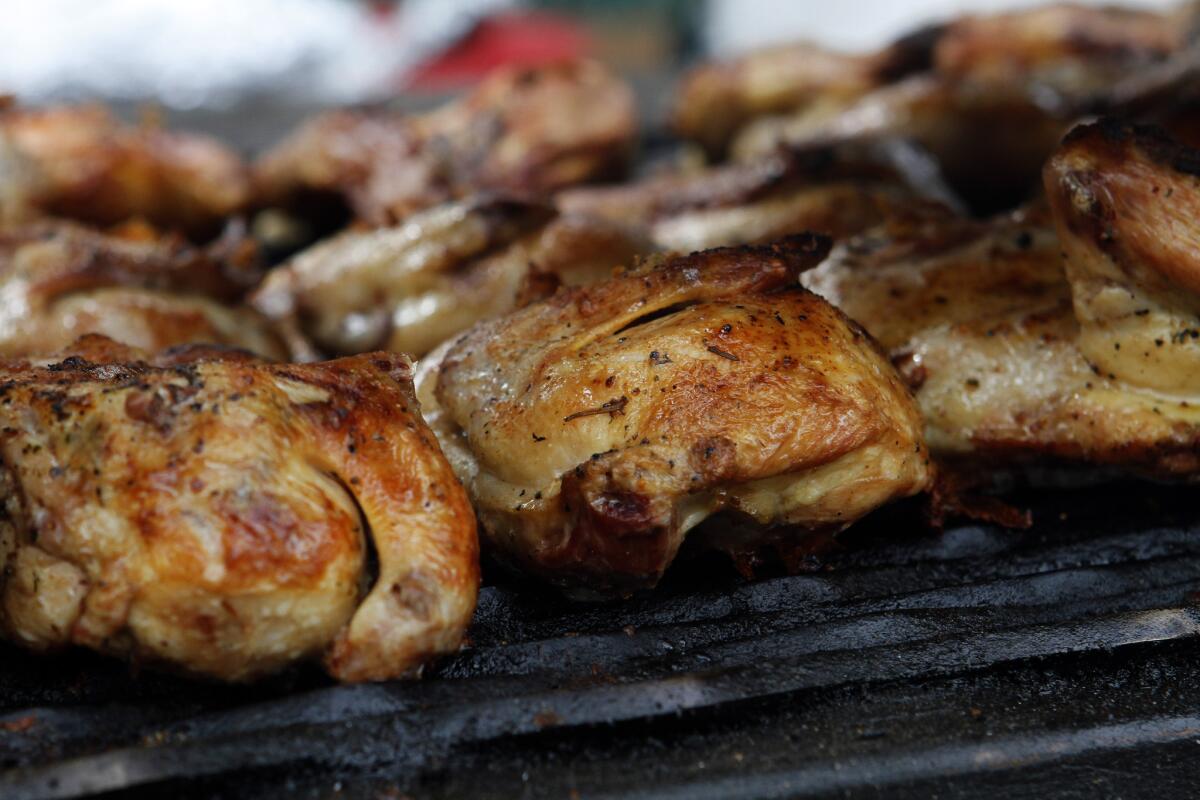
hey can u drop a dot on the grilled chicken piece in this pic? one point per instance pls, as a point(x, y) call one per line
point(1001, 93)
point(836, 191)
point(922, 271)
point(715, 100)
point(410, 287)
point(990, 141)
point(594, 429)
point(520, 131)
point(84, 164)
point(209, 512)
point(1017, 355)
point(1126, 203)
point(59, 280)
point(1070, 50)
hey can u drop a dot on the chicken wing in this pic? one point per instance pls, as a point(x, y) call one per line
point(594, 429)
point(836, 191)
point(212, 513)
point(60, 280)
point(1020, 353)
point(410, 287)
point(82, 163)
point(520, 131)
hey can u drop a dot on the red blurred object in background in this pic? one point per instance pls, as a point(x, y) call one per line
point(527, 39)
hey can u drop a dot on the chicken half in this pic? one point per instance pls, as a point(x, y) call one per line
point(520, 131)
point(208, 512)
point(81, 163)
point(410, 287)
point(836, 191)
point(1019, 353)
point(60, 280)
point(595, 429)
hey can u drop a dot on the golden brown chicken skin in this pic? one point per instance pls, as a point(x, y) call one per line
point(407, 288)
point(60, 280)
point(1067, 344)
point(1126, 202)
point(834, 191)
point(594, 429)
point(208, 512)
point(81, 163)
point(520, 131)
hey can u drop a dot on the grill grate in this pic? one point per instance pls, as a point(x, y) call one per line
point(974, 662)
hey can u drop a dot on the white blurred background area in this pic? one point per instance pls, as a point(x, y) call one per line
point(734, 26)
point(217, 54)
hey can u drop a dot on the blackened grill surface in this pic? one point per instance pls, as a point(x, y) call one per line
point(1059, 660)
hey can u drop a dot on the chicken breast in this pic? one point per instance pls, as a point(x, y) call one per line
point(407, 288)
point(594, 429)
point(520, 131)
point(60, 280)
point(81, 163)
point(836, 191)
point(208, 512)
point(1019, 353)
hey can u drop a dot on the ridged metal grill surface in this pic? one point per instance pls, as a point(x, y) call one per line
point(1063, 658)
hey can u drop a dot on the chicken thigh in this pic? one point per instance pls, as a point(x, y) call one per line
point(212, 513)
point(594, 429)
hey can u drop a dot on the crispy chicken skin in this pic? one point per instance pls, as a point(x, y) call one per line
point(520, 131)
point(410, 287)
point(594, 429)
point(837, 191)
point(1075, 343)
point(60, 280)
point(82, 163)
point(209, 512)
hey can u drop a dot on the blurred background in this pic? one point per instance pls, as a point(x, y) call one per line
point(248, 69)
